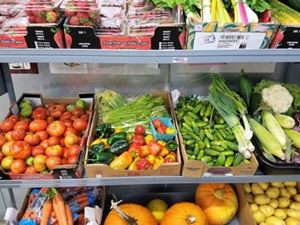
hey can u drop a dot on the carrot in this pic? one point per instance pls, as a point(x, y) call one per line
point(59, 208)
point(69, 215)
point(46, 211)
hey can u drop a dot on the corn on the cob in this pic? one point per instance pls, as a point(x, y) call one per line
point(295, 136)
point(285, 121)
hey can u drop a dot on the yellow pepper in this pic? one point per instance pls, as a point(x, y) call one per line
point(148, 138)
point(170, 130)
point(121, 162)
point(132, 166)
point(171, 157)
point(162, 143)
point(151, 158)
point(98, 141)
point(118, 130)
point(163, 152)
point(158, 162)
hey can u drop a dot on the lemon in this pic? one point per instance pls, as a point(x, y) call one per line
point(158, 208)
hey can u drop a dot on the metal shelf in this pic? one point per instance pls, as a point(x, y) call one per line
point(143, 180)
point(149, 56)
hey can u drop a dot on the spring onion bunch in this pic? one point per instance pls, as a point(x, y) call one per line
point(232, 107)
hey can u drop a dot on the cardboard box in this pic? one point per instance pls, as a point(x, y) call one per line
point(63, 171)
point(210, 36)
point(102, 170)
point(286, 37)
point(38, 36)
point(165, 37)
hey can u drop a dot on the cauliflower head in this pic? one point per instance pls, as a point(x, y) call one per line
point(278, 98)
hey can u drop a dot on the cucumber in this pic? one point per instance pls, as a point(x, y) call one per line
point(221, 160)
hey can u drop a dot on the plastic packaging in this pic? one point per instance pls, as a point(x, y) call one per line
point(81, 12)
point(43, 12)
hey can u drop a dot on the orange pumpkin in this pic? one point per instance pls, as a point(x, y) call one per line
point(184, 213)
point(218, 201)
point(138, 212)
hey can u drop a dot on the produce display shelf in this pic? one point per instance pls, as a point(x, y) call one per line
point(143, 180)
point(148, 56)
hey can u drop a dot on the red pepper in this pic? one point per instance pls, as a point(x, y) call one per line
point(143, 164)
point(162, 129)
point(154, 147)
point(144, 151)
point(139, 139)
point(134, 150)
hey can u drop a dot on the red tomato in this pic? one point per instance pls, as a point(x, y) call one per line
point(80, 124)
point(20, 150)
point(39, 113)
point(7, 125)
point(56, 128)
point(18, 166)
point(2, 140)
point(8, 136)
point(38, 125)
point(66, 116)
point(62, 142)
point(74, 118)
point(72, 160)
point(53, 161)
point(30, 170)
point(55, 150)
point(50, 119)
point(44, 144)
point(22, 125)
point(32, 139)
point(61, 107)
point(27, 120)
point(42, 134)
point(37, 150)
point(18, 135)
point(139, 129)
point(65, 155)
point(71, 139)
point(156, 123)
point(74, 150)
point(64, 161)
point(77, 111)
point(14, 118)
point(55, 111)
point(70, 130)
point(6, 148)
point(68, 123)
point(53, 141)
point(85, 116)
point(139, 139)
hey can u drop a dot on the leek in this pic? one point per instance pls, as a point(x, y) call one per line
point(267, 140)
point(275, 129)
point(231, 107)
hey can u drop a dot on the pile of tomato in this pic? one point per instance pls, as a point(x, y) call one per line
point(48, 137)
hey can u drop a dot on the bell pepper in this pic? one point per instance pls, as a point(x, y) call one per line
point(144, 151)
point(154, 147)
point(100, 140)
point(134, 150)
point(139, 139)
point(132, 166)
point(151, 159)
point(170, 158)
point(119, 147)
point(116, 137)
point(143, 164)
point(121, 162)
point(163, 152)
point(171, 146)
point(118, 130)
point(148, 138)
point(95, 150)
point(158, 162)
point(104, 130)
point(162, 143)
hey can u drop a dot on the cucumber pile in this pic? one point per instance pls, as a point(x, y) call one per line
point(205, 134)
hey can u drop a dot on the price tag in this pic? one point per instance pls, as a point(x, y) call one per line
point(179, 60)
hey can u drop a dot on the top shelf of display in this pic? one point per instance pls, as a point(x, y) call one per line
point(149, 56)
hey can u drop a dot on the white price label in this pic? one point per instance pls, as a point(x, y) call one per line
point(179, 60)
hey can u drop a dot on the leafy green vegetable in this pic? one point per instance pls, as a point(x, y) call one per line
point(109, 100)
point(258, 5)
